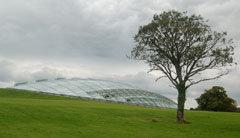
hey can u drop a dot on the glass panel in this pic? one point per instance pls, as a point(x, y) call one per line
point(98, 89)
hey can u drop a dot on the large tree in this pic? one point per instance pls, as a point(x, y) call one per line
point(182, 47)
point(216, 99)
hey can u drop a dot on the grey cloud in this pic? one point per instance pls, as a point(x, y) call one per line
point(6, 73)
point(84, 30)
point(92, 38)
point(74, 28)
point(46, 73)
point(10, 72)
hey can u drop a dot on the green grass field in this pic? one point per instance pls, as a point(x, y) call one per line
point(30, 115)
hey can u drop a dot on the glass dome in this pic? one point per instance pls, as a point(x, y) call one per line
point(98, 90)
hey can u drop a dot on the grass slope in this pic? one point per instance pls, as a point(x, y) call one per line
point(24, 114)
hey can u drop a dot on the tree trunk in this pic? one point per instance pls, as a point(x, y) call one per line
point(181, 102)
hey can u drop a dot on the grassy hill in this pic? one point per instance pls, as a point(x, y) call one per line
point(25, 114)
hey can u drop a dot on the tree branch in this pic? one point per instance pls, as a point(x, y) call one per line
point(213, 78)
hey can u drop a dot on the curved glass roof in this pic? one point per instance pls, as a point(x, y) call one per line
point(99, 90)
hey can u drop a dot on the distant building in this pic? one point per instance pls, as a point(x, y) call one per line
point(98, 90)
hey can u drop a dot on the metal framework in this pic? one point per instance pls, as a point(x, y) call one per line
point(99, 90)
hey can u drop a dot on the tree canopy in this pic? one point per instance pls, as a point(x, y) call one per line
point(181, 47)
point(216, 99)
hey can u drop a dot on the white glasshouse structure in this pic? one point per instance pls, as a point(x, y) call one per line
point(98, 90)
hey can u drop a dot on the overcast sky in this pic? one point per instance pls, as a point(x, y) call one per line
point(90, 39)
